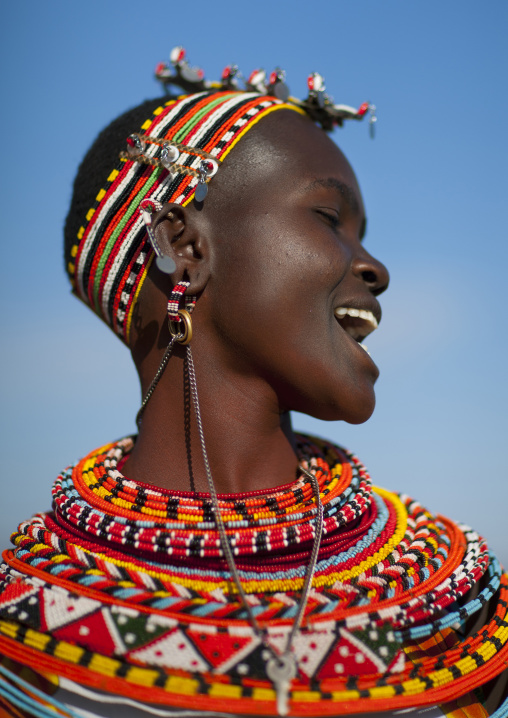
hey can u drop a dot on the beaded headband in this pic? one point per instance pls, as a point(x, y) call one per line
point(170, 159)
point(112, 253)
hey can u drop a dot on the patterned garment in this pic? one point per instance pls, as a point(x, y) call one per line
point(123, 588)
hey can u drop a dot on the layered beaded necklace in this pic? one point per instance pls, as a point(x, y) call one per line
point(125, 586)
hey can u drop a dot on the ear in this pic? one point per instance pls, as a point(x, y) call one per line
point(180, 237)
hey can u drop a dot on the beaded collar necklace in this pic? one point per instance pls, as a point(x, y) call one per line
point(149, 612)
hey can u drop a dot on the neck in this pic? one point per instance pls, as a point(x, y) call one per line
point(249, 443)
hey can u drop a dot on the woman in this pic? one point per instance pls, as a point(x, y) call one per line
point(299, 589)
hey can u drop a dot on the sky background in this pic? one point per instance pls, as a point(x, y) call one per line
point(435, 188)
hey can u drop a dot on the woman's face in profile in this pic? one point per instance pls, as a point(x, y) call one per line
point(288, 226)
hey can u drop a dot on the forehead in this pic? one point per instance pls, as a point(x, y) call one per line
point(286, 152)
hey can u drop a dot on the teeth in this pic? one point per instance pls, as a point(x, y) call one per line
point(367, 316)
point(364, 347)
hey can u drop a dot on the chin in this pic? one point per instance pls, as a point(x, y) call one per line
point(359, 418)
point(356, 411)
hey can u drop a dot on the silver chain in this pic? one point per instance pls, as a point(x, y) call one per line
point(312, 561)
point(226, 548)
point(166, 357)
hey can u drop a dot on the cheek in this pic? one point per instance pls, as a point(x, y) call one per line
point(293, 264)
point(274, 305)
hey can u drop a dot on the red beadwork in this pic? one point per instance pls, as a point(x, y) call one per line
point(148, 205)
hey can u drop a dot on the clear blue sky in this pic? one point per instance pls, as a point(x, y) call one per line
point(435, 186)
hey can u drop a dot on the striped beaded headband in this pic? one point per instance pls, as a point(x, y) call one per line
point(112, 254)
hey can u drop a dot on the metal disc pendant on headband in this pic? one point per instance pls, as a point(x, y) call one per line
point(372, 121)
point(206, 169)
point(281, 91)
point(201, 191)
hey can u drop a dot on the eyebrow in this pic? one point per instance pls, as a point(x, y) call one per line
point(346, 191)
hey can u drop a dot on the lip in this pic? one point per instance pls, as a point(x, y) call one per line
point(358, 317)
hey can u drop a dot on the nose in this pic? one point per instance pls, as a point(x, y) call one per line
point(372, 272)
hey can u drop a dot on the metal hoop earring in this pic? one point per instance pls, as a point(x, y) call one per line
point(182, 335)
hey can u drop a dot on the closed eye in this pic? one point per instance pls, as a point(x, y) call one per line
point(331, 217)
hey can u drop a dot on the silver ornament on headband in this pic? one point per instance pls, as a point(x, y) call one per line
point(168, 157)
point(207, 169)
point(190, 79)
point(230, 76)
point(318, 105)
point(317, 87)
point(277, 85)
point(256, 82)
point(135, 146)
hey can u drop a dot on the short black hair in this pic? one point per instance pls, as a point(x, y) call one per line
point(99, 161)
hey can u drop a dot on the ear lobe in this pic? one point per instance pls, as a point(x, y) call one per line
point(179, 236)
